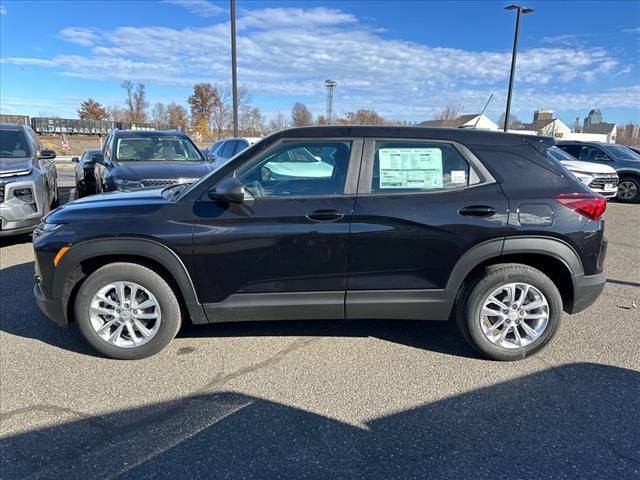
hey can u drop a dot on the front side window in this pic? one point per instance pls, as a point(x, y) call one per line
point(130, 149)
point(416, 166)
point(592, 154)
point(305, 168)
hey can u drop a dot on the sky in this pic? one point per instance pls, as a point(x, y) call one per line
point(407, 60)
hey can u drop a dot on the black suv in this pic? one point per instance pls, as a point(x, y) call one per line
point(624, 160)
point(133, 159)
point(397, 223)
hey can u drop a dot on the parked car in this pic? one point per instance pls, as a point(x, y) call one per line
point(412, 223)
point(222, 151)
point(599, 177)
point(28, 179)
point(624, 160)
point(635, 148)
point(84, 173)
point(133, 159)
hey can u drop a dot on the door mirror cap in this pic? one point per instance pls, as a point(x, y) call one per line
point(228, 191)
point(75, 159)
point(47, 154)
point(98, 158)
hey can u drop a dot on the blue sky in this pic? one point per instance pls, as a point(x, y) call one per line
point(405, 59)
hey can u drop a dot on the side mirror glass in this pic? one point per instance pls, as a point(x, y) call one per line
point(47, 154)
point(229, 190)
point(75, 160)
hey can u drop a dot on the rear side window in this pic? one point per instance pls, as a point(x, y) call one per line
point(417, 166)
point(240, 146)
point(227, 150)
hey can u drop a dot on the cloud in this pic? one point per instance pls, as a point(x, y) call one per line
point(3, 10)
point(631, 30)
point(567, 40)
point(38, 62)
point(289, 52)
point(80, 36)
point(202, 8)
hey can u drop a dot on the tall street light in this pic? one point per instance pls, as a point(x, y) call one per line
point(234, 72)
point(520, 11)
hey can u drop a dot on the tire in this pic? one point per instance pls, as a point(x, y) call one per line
point(166, 305)
point(476, 327)
point(629, 190)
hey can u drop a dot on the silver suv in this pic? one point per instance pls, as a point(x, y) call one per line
point(28, 180)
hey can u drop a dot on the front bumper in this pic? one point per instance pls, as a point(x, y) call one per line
point(51, 308)
point(18, 216)
point(586, 290)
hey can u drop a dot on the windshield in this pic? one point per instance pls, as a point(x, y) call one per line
point(558, 154)
point(13, 144)
point(620, 152)
point(129, 149)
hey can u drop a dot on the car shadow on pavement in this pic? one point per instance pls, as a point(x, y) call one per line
point(623, 282)
point(574, 421)
point(21, 316)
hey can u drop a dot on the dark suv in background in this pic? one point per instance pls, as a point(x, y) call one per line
point(403, 223)
point(133, 159)
point(624, 160)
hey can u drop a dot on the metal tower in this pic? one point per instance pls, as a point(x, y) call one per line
point(330, 84)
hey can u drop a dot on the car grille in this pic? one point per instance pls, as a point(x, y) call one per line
point(1, 193)
point(165, 182)
point(601, 180)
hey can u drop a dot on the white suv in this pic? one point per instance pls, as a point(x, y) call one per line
point(600, 178)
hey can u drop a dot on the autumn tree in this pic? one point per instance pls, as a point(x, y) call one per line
point(300, 115)
point(92, 110)
point(278, 122)
point(177, 115)
point(136, 101)
point(203, 101)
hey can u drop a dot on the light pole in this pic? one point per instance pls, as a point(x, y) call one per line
point(523, 11)
point(234, 72)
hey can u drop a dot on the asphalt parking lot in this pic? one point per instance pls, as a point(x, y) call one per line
point(325, 399)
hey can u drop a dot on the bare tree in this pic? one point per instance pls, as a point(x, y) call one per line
point(177, 115)
point(159, 114)
point(116, 114)
point(322, 120)
point(251, 121)
point(514, 122)
point(628, 134)
point(448, 115)
point(278, 122)
point(136, 101)
point(300, 115)
point(221, 113)
point(92, 110)
point(361, 117)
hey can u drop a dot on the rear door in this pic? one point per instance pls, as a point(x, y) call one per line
point(421, 205)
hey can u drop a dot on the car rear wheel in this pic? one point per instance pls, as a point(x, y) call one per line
point(629, 190)
point(127, 311)
point(510, 312)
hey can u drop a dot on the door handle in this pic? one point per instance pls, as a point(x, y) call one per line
point(325, 216)
point(477, 211)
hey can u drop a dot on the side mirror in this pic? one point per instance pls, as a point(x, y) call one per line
point(47, 154)
point(228, 191)
point(98, 158)
point(75, 159)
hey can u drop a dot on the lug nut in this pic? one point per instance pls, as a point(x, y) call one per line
point(505, 312)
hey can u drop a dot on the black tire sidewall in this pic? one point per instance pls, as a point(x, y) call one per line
point(488, 284)
point(128, 272)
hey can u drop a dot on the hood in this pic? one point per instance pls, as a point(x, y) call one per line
point(15, 164)
point(161, 170)
point(588, 167)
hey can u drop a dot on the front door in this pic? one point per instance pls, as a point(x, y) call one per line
point(282, 254)
point(421, 205)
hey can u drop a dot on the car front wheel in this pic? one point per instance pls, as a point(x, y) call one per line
point(127, 311)
point(510, 312)
point(629, 190)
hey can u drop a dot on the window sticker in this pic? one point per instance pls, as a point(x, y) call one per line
point(458, 176)
point(410, 168)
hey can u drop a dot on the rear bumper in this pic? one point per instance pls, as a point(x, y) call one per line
point(586, 290)
point(51, 308)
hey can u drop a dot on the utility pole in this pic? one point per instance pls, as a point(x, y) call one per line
point(234, 70)
point(520, 10)
point(330, 84)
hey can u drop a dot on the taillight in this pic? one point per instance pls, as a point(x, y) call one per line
point(590, 205)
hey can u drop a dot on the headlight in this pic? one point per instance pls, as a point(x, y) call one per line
point(584, 177)
point(124, 183)
point(49, 227)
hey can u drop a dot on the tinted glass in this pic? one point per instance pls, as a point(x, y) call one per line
point(620, 152)
point(311, 168)
point(228, 149)
point(417, 166)
point(592, 154)
point(573, 150)
point(89, 154)
point(558, 154)
point(13, 144)
point(240, 146)
point(156, 149)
